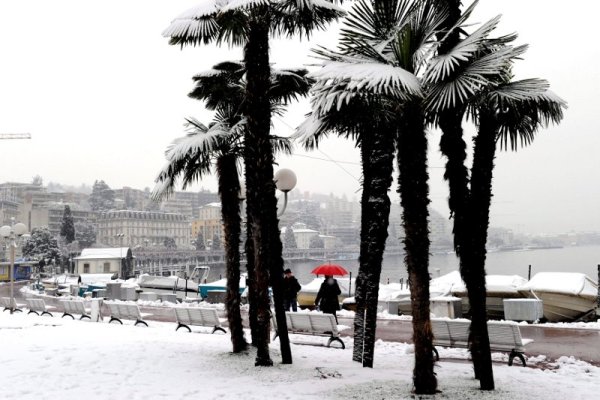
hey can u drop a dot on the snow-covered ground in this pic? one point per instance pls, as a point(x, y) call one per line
point(53, 358)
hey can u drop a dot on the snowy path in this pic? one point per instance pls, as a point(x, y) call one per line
point(52, 358)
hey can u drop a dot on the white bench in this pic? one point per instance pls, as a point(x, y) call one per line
point(504, 336)
point(188, 316)
point(312, 323)
point(121, 311)
point(38, 307)
point(75, 307)
point(9, 303)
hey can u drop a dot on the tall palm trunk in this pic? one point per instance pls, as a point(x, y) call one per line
point(361, 278)
point(414, 197)
point(229, 187)
point(453, 146)
point(262, 203)
point(251, 282)
point(481, 197)
point(377, 210)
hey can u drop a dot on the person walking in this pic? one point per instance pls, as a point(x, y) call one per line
point(291, 287)
point(327, 298)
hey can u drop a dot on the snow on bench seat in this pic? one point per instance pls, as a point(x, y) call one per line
point(9, 303)
point(38, 307)
point(504, 336)
point(312, 323)
point(198, 316)
point(75, 307)
point(121, 310)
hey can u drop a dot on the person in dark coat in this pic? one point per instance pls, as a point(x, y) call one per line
point(291, 287)
point(327, 298)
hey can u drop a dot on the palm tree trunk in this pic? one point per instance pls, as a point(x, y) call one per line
point(377, 211)
point(481, 195)
point(251, 282)
point(453, 146)
point(262, 203)
point(229, 187)
point(361, 278)
point(414, 197)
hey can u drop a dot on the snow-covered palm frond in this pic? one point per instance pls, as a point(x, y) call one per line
point(474, 75)
point(369, 77)
point(290, 17)
point(445, 95)
point(233, 5)
point(289, 84)
point(310, 131)
point(375, 22)
point(443, 66)
point(200, 140)
point(196, 25)
point(520, 109)
point(165, 186)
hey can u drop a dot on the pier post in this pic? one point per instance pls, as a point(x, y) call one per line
point(598, 298)
point(529, 273)
point(350, 283)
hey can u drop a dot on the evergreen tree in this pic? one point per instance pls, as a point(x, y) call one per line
point(85, 234)
point(67, 229)
point(289, 240)
point(200, 242)
point(102, 197)
point(216, 242)
point(41, 245)
point(169, 243)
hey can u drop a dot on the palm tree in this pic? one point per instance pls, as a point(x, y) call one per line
point(456, 75)
point(192, 157)
point(222, 89)
point(384, 47)
point(250, 23)
point(507, 114)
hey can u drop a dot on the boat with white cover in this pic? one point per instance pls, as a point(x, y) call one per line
point(566, 296)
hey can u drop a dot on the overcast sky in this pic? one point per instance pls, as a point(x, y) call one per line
point(102, 94)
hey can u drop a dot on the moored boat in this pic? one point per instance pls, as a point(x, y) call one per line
point(566, 296)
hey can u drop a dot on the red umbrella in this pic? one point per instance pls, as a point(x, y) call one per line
point(330, 269)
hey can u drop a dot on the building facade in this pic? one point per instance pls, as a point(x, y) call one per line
point(142, 228)
point(209, 222)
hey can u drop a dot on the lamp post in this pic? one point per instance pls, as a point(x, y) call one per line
point(12, 234)
point(285, 180)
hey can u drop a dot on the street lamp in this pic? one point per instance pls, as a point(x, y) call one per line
point(12, 234)
point(285, 180)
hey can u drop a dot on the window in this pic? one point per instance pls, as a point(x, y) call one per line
point(86, 268)
point(106, 267)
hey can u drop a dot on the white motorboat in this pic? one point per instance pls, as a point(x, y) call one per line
point(498, 288)
point(175, 282)
point(566, 296)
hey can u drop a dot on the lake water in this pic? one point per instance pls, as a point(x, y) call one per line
point(567, 259)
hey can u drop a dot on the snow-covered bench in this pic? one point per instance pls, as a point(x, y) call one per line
point(9, 303)
point(121, 311)
point(75, 307)
point(311, 323)
point(38, 307)
point(504, 336)
point(188, 316)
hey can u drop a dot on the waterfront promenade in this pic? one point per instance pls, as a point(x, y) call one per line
point(553, 342)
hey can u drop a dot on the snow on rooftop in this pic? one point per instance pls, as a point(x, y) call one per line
point(83, 360)
point(99, 253)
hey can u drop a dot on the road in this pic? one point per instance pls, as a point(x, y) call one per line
point(583, 344)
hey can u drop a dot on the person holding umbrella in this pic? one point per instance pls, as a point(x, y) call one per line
point(327, 298)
